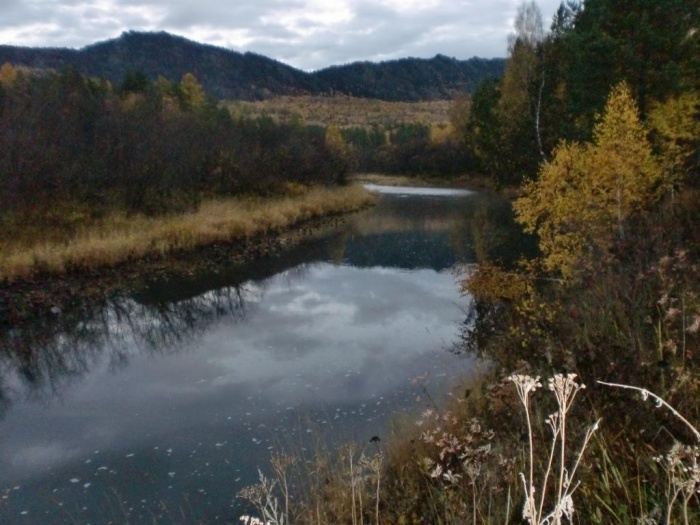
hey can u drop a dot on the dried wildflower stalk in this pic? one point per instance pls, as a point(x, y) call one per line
point(681, 462)
point(659, 403)
point(262, 495)
point(565, 389)
point(347, 452)
point(280, 464)
point(374, 464)
point(252, 520)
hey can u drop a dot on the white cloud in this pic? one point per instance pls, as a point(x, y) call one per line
point(308, 34)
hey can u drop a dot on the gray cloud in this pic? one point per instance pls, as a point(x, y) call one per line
point(308, 34)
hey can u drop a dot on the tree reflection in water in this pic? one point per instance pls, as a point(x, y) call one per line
point(40, 361)
point(329, 335)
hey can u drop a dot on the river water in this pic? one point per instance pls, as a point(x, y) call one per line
point(159, 405)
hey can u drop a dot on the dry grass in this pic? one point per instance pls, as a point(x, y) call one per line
point(334, 485)
point(451, 467)
point(118, 238)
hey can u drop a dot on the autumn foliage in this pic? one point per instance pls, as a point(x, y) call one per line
point(614, 295)
point(582, 199)
point(70, 142)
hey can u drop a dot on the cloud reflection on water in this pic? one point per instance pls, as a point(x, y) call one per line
point(328, 338)
point(201, 380)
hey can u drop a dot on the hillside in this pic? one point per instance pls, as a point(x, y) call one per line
point(411, 79)
point(227, 74)
point(224, 74)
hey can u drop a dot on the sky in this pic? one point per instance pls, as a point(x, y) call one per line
point(307, 34)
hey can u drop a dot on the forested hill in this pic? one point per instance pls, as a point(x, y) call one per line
point(227, 74)
point(223, 73)
point(411, 79)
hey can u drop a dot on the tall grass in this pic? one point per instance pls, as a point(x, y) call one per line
point(117, 238)
point(332, 486)
point(455, 470)
point(475, 459)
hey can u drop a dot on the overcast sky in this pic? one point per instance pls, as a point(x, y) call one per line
point(308, 34)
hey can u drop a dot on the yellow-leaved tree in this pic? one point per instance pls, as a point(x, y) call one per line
point(192, 92)
point(676, 127)
point(341, 149)
point(8, 74)
point(579, 204)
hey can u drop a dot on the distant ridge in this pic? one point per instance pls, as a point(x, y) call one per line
point(411, 79)
point(227, 74)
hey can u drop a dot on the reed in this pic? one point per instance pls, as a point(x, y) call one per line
point(117, 238)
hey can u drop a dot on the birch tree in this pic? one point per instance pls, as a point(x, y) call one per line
point(523, 71)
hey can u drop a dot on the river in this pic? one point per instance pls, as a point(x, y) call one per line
point(159, 405)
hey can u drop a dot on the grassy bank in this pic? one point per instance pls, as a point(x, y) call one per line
point(116, 238)
point(524, 441)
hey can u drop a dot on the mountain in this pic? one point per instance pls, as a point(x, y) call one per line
point(224, 74)
point(227, 74)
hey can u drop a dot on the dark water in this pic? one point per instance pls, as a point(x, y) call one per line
point(158, 406)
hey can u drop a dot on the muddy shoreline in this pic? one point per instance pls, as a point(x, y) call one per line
point(48, 295)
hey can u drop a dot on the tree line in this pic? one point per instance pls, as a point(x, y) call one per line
point(146, 147)
point(408, 148)
point(556, 82)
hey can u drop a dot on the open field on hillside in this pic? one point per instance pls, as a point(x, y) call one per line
point(346, 111)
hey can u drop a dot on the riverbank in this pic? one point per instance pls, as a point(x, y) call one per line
point(113, 251)
point(118, 238)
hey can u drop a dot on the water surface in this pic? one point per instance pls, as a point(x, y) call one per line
point(157, 406)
